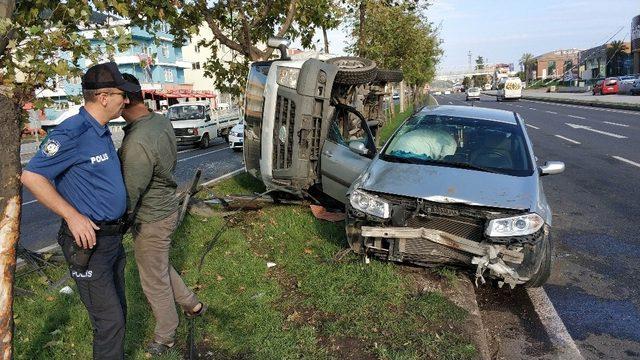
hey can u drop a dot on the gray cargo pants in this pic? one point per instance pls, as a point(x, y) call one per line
point(160, 282)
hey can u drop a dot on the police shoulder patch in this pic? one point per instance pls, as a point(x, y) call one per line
point(50, 147)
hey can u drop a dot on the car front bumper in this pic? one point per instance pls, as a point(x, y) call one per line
point(187, 140)
point(511, 260)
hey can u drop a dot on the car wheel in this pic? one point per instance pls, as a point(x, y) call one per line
point(237, 149)
point(204, 142)
point(354, 70)
point(537, 262)
point(394, 76)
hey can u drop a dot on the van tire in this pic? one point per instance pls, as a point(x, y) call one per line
point(204, 142)
point(394, 76)
point(354, 70)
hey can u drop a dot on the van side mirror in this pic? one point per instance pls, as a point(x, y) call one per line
point(358, 147)
point(551, 168)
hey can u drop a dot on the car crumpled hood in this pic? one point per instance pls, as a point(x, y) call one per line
point(451, 185)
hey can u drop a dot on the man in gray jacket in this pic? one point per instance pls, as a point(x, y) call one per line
point(149, 156)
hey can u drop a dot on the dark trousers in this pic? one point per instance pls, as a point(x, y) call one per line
point(101, 289)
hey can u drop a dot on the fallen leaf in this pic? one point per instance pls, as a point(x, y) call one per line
point(241, 288)
point(50, 298)
point(219, 277)
point(308, 251)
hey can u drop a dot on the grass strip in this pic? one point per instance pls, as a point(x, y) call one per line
point(309, 305)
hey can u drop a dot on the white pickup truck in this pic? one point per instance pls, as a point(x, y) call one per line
point(196, 123)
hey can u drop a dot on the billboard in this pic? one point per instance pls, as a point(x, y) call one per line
point(635, 33)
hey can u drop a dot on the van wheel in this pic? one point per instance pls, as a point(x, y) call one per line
point(354, 70)
point(204, 142)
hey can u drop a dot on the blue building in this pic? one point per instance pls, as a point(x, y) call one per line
point(155, 62)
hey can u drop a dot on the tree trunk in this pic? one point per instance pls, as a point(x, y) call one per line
point(10, 201)
point(326, 40)
point(363, 10)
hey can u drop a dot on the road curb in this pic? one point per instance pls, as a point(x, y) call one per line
point(557, 332)
point(225, 176)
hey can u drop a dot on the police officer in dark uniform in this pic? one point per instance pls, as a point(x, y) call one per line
point(88, 192)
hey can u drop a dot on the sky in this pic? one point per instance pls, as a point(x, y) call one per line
point(501, 31)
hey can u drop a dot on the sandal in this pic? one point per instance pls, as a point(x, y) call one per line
point(155, 348)
point(194, 314)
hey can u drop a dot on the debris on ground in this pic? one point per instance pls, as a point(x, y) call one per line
point(321, 213)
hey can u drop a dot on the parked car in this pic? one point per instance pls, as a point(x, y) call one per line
point(625, 83)
point(635, 89)
point(606, 86)
point(455, 185)
point(473, 93)
point(236, 137)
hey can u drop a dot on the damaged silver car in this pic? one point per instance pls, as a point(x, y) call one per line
point(457, 185)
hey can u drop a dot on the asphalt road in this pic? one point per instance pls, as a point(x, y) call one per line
point(39, 225)
point(596, 205)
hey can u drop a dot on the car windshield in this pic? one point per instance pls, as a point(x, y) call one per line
point(476, 144)
point(186, 112)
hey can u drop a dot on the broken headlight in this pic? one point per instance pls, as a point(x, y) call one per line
point(370, 204)
point(514, 226)
point(288, 76)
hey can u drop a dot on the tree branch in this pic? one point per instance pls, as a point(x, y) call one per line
point(285, 25)
point(262, 14)
point(222, 38)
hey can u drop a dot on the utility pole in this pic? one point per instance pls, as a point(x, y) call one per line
point(470, 63)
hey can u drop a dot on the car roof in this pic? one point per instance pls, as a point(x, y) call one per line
point(472, 112)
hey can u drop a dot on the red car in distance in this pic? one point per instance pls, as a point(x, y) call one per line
point(606, 86)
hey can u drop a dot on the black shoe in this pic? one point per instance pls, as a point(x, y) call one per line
point(155, 348)
point(194, 314)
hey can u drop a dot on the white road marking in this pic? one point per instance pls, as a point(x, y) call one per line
point(576, 117)
point(534, 109)
point(519, 106)
point(450, 102)
point(569, 140)
point(553, 325)
point(29, 202)
point(203, 154)
point(551, 112)
point(596, 131)
point(534, 127)
point(616, 124)
point(186, 150)
point(626, 160)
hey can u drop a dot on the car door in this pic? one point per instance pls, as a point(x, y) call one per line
point(346, 152)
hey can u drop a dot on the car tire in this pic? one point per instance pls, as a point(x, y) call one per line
point(205, 141)
point(354, 70)
point(394, 76)
point(237, 149)
point(541, 275)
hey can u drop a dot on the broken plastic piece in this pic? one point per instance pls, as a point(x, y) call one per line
point(271, 264)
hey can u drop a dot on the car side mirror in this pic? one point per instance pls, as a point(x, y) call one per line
point(551, 168)
point(358, 147)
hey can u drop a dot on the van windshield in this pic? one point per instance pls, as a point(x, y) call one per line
point(186, 112)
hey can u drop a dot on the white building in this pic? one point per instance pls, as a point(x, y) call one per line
point(198, 56)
